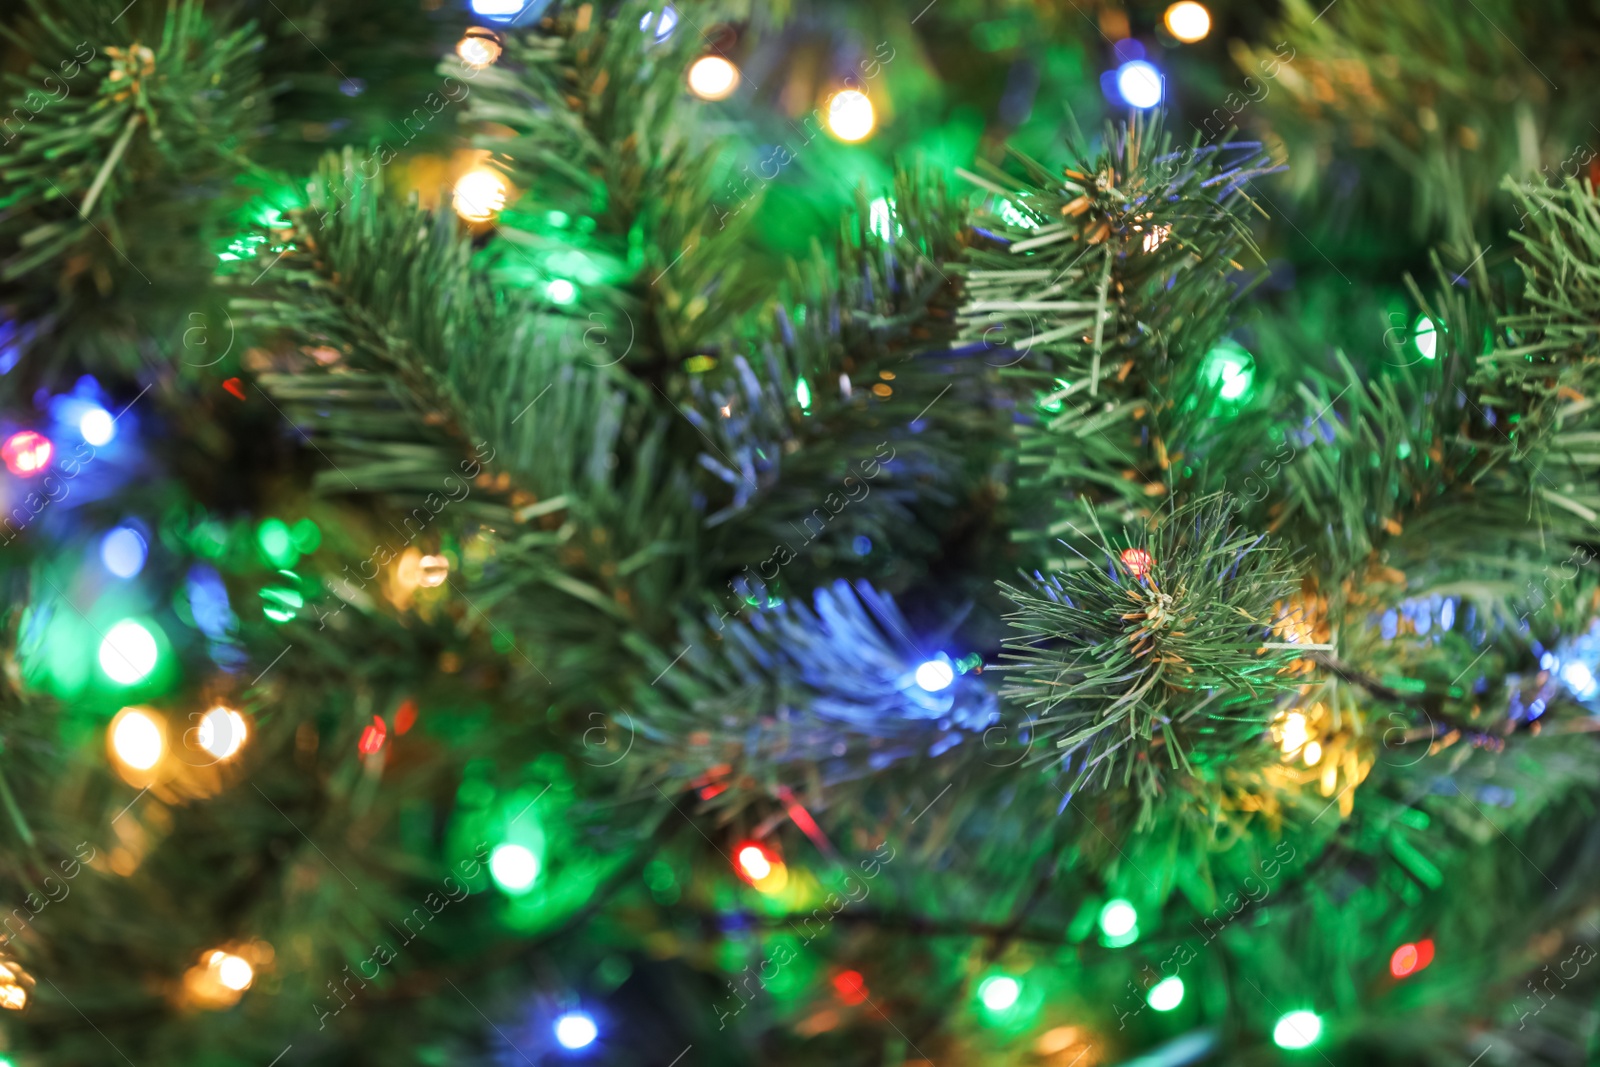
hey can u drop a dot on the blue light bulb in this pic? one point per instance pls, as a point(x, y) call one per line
point(576, 1030)
point(1139, 83)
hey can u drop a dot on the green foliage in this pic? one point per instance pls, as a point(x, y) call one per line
point(1139, 675)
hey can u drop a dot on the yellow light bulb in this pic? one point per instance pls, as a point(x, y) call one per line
point(1293, 732)
point(713, 78)
point(1188, 21)
point(479, 195)
point(849, 115)
point(13, 997)
point(235, 973)
point(478, 49)
point(136, 739)
point(1313, 753)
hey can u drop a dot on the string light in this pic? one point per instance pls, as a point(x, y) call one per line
point(935, 675)
point(1166, 994)
point(850, 986)
point(1156, 236)
point(222, 976)
point(26, 453)
point(1188, 21)
point(499, 10)
point(1117, 918)
point(576, 1029)
point(96, 426)
point(713, 78)
point(1313, 753)
point(479, 195)
point(1425, 335)
point(1138, 561)
point(999, 992)
point(1229, 369)
point(432, 571)
point(137, 738)
point(128, 652)
point(560, 291)
point(222, 732)
point(1139, 82)
point(802, 394)
point(123, 551)
point(849, 115)
point(372, 737)
point(762, 868)
point(1410, 958)
point(513, 868)
point(1297, 1029)
point(479, 48)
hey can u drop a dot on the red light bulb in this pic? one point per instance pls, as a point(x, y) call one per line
point(26, 453)
point(1410, 958)
point(1138, 561)
point(850, 986)
point(372, 737)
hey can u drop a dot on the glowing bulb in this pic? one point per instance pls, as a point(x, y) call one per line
point(850, 116)
point(1139, 83)
point(560, 291)
point(128, 653)
point(513, 868)
point(1188, 21)
point(1229, 369)
point(478, 49)
point(96, 426)
point(26, 453)
point(499, 10)
point(935, 675)
point(1155, 237)
point(713, 78)
point(123, 551)
point(1166, 994)
point(222, 732)
point(1313, 753)
point(1298, 1029)
point(1118, 918)
point(999, 992)
point(664, 26)
point(754, 862)
point(1293, 732)
point(802, 394)
point(1425, 335)
point(136, 739)
point(576, 1029)
point(479, 195)
point(13, 997)
point(234, 972)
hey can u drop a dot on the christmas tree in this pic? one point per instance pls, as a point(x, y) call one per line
point(714, 533)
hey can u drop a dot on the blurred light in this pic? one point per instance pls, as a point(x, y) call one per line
point(13, 998)
point(713, 78)
point(1313, 753)
point(1580, 679)
point(306, 536)
point(1139, 83)
point(1188, 21)
point(128, 652)
point(850, 116)
point(513, 868)
point(935, 675)
point(222, 732)
point(97, 426)
point(233, 971)
point(999, 992)
point(851, 987)
point(1411, 958)
point(576, 1029)
point(1166, 994)
point(276, 543)
point(1425, 335)
point(479, 195)
point(479, 47)
point(881, 221)
point(26, 453)
point(499, 10)
point(1298, 1029)
point(753, 861)
point(1118, 918)
point(136, 739)
point(1155, 237)
point(802, 394)
point(123, 551)
point(433, 571)
point(1229, 369)
point(664, 24)
point(372, 737)
point(560, 291)
point(862, 544)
